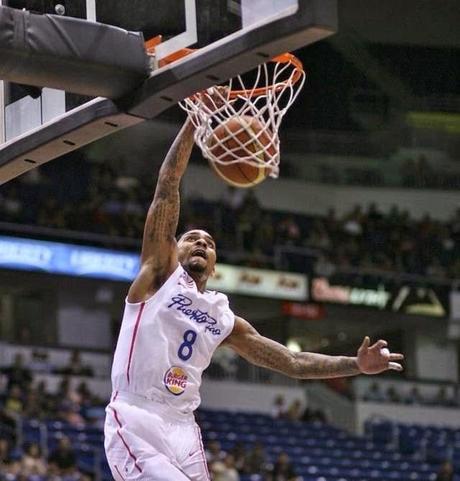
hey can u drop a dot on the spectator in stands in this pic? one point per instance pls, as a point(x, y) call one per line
point(288, 231)
point(283, 469)
point(392, 395)
point(32, 462)
point(62, 460)
point(14, 404)
point(69, 411)
point(225, 470)
point(279, 410)
point(314, 416)
point(414, 396)
point(40, 361)
point(68, 404)
point(239, 454)
point(11, 470)
point(374, 394)
point(214, 452)
point(256, 459)
point(46, 399)
point(295, 411)
point(17, 373)
point(7, 424)
point(352, 223)
point(33, 405)
point(446, 472)
point(248, 221)
point(4, 451)
point(265, 236)
point(318, 236)
point(442, 398)
point(76, 367)
point(323, 266)
point(85, 398)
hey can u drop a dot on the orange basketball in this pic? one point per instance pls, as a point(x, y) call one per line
point(240, 138)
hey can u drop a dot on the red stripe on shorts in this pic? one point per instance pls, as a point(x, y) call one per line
point(202, 452)
point(124, 442)
point(133, 339)
point(119, 474)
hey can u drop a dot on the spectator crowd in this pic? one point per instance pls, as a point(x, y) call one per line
point(414, 396)
point(228, 466)
point(21, 397)
point(103, 203)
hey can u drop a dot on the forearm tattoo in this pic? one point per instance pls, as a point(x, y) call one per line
point(304, 365)
point(163, 215)
point(310, 365)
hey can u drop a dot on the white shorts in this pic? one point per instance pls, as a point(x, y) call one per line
point(146, 440)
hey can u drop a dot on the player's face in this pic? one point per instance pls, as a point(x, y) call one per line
point(197, 252)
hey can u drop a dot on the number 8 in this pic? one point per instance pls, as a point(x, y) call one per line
point(185, 349)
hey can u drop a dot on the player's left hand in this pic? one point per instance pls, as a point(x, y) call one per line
point(377, 358)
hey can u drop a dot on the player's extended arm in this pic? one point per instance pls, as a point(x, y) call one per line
point(264, 352)
point(159, 248)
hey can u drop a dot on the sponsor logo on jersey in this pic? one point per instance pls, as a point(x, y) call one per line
point(185, 305)
point(175, 380)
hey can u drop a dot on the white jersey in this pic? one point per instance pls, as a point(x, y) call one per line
point(166, 342)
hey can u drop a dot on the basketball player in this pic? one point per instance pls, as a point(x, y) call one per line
point(171, 327)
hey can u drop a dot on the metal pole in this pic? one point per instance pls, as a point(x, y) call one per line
point(2, 112)
point(2, 103)
point(91, 10)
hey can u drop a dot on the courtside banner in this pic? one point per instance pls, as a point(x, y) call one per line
point(259, 282)
point(383, 294)
point(68, 259)
point(80, 261)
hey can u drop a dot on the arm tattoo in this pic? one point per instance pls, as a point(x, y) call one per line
point(176, 160)
point(309, 365)
point(163, 215)
point(267, 353)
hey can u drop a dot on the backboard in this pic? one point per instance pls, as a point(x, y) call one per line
point(233, 36)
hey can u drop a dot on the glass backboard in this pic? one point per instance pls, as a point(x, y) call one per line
point(232, 36)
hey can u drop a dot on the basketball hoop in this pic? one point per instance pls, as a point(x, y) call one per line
point(274, 87)
point(264, 94)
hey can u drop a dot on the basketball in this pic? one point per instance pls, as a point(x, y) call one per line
point(243, 137)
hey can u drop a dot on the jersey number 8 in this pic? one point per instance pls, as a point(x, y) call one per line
point(185, 349)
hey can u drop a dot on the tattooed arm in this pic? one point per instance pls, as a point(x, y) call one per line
point(159, 248)
point(264, 352)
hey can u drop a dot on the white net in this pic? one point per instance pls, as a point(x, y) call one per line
point(238, 123)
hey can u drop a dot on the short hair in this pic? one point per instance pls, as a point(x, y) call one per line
point(182, 234)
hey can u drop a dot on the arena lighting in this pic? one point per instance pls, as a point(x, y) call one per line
point(59, 9)
point(293, 345)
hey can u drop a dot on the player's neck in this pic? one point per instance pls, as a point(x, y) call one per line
point(200, 280)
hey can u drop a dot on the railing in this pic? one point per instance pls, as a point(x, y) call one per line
point(75, 236)
point(238, 370)
point(339, 142)
point(439, 103)
point(280, 253)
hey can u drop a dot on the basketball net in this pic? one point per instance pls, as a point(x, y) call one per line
point(275, 86)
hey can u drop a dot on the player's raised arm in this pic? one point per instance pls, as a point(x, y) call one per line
point(159, 248)
point(264, 352)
